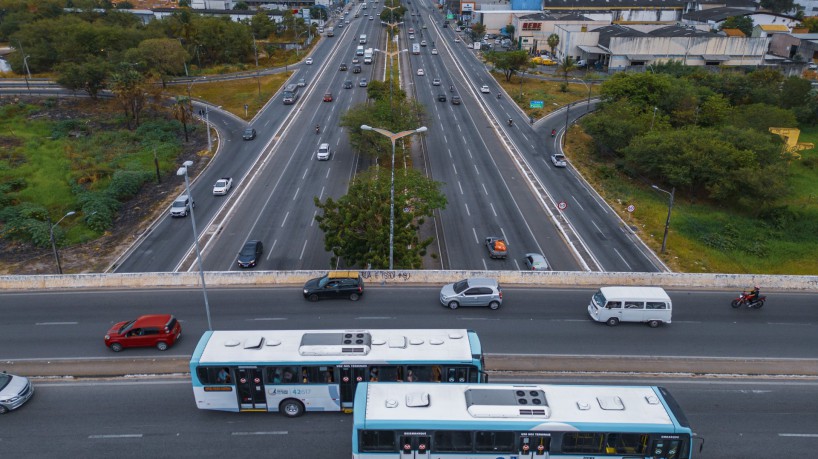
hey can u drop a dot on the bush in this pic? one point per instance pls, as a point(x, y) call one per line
point(125, 184)
point(99, 208)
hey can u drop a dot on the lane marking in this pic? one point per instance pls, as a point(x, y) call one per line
point(94, 437)
point(300, 257)
point(459, 185)
point(467, 210)
point(475, 235)
point(798, 435)
point(296, 193)
point(484, 189)
point(375, 318)
point(277, 432)
point(270, 254)
point(267, 318)
point(314, 214)
point(56, 323)
point(492, 209)
point(285, 219)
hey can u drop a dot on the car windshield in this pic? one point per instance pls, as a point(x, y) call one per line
point(461, 285)
point(599, 299)
point(221, 183)
point(126, 327)
point(322, 282)
point(249, 249)
point(178, 203)
point(4, 380)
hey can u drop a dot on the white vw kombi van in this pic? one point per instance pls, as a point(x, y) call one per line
point(631, 304)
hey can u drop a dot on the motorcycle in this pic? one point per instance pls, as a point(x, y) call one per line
point(317, 129)
point(553, 132)
point(510, 121)
point(751, 303)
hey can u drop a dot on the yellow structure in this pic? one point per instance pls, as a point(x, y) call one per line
point(790, 136)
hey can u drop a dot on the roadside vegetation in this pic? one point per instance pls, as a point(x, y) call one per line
point(744, 203)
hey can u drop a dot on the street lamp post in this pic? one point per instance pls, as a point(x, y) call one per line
point(588, 105)
point(182, 171)
point(670, 193)
point(53, 241)
point(393, 137)
point(654, 117)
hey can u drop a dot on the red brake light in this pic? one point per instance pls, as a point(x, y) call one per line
point(501, 294)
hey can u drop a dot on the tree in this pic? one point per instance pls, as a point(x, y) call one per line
point(641, 89)
point(183, 111)
point(553, 41)
point(356, 226)
point(241, 6)
point(477, 31)
point(509, 62)
point(262, 25)
point(778, 6)
point(567, 65)
point(811, 23)
point(128, 85)
point(617, 124)
point(509, 28)
point(743, 23)
point(89, 76)
point(795, 92)
point(124, 5)
point(161, 56)
point(184, 3)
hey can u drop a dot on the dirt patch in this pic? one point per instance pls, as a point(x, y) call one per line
point(133, 219)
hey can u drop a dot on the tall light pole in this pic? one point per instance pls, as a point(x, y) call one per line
point(588, 106)
point(183, 172)
point(670, 193)
point(53, 242)
point(654, 117)
point(393, 137)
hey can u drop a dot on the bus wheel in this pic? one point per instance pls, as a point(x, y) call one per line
point(613, 321)
point(291, 408)
point(654, 323)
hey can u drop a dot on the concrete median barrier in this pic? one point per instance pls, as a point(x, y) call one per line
point(527, 363)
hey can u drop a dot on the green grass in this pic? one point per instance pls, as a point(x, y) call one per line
point(232, 95)
point(706, 239)
point(547, 91)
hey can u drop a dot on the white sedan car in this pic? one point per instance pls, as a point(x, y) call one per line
point(457, 39)
point(308, 61)
point(436, 82)
point(434, 51)
point(485, 89)
point(421, 72)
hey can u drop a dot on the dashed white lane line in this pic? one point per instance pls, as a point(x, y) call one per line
point(56, 323)
point(275, 432)
point(96, 437)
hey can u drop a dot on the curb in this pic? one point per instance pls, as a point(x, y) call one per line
point(112, 367)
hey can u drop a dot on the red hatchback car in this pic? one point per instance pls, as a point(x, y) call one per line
point(159, 330)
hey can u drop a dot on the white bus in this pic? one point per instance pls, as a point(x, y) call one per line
point(293, 371)
point(362, 39)
point(359, 51)
point(368, 55)
point(415, 48)
point(515, 421)
point(290, 94)
point(612, 305)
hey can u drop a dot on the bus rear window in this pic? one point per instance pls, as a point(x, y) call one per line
point(378, 440)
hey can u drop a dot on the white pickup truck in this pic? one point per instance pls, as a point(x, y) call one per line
point(222, 186)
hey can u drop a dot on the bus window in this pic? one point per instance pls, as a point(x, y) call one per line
point(316, 375)
point(583, 442)
point(453, 441)
point(494, 442)
point(378, 440)
point(387, 373)
point(436, 374)
point(214, 375)
point(283, 375)
point(624, 443)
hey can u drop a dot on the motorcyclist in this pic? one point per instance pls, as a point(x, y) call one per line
point(317, 129)
point(754, 295)
point(553, 132)
point(498, 95)
point(530, 120)
point(510, 121)
point(451, 88)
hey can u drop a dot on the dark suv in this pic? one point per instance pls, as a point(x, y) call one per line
point(336, 284)
point(250, 254)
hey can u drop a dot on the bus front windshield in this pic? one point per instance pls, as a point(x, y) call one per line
point(599, 300)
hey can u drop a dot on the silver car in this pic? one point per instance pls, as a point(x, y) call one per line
point(14, 391)
point(535, 262)
point(472, 292)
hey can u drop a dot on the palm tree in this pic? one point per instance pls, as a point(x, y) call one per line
point(182, 111)
point(567, 65)
point(553, 41)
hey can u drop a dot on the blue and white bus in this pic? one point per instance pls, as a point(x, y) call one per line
point(293, 371)
point(290, 94)
point(505, 421)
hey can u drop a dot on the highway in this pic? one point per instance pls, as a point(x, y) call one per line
point(157, 418)
point(71, 324)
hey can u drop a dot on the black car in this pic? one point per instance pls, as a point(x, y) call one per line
point(356, 69)
point(250, 254)
point(441, 97)
point(336, 284)
point(249, 134)
point(342, 67)
point(348, 84)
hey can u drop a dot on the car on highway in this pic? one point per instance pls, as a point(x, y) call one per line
point(424, 26)
point(812, 66)
point(154, 330)
point(362, 82)
point(558, 159)
point(355, 60)
point(485, 89)
point(249, 134)
point(356, 69)
point(436, 82)
point(411, 36)
point(181, 206)
point(434, 51)
point(472, 292)
point(250, 253)
point(456, 100)
point(371, 17)
point(335, 284)
point(348, 84)
point(327, 97)
point(457, 39)
point(342, 68)
point(323, 152)
point(441, 97)
point(340, 25)
point(423, 43)
point(308, 61)
point(222, 186)
point(14, 391)
point(302, 82)
point(497, 247)
point(421, 72)
point(535, 262)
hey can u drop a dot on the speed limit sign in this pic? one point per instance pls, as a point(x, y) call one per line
point(562, 205)
point(631, 208)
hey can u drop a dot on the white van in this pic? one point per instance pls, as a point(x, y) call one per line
point(631, 304)
point(359, 51)
point(323, 152)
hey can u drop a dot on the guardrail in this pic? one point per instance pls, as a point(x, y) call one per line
point(409, 277)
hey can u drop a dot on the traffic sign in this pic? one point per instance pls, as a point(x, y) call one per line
point(562, 205)
point(631, 208)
